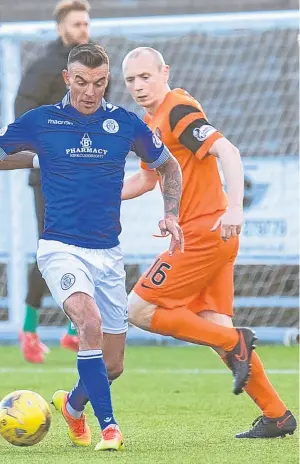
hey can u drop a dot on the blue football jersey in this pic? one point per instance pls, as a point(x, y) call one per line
point(82, 160)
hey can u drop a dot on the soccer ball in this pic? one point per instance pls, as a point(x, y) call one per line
point(25, 418)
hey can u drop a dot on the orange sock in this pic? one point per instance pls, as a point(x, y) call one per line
point(183, 324)
point(260, 389)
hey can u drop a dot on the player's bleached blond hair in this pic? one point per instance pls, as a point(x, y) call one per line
point(141, 50)
point(64, 7)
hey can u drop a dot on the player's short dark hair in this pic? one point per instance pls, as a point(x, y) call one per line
point(64, 7)
point(90, 55)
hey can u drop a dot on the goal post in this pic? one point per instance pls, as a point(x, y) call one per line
point(243, 68)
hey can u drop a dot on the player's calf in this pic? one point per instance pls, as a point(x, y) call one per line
point(113, 352)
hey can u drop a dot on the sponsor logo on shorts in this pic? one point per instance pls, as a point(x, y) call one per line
point(67, 281)
point(111, 126)
point(202, 133)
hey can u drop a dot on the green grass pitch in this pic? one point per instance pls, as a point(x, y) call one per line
point(174, 405)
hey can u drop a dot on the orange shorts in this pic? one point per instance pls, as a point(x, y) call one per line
point(200, 279)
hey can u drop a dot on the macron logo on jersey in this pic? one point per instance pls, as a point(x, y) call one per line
point(111, 107)
point(86, 150)
point(61, 123)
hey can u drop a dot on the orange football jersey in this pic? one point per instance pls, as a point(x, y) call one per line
point(181, 124)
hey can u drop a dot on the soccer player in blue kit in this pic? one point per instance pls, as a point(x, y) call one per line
point(82, 143)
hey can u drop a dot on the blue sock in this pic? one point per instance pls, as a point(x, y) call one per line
point(77, 399)
point(93, 374)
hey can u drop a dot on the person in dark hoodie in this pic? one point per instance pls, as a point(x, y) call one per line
point(42, 84)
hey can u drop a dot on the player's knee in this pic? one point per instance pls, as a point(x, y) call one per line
point(133, 314)
point(140, 317)
point(140, 312)
point(91, 326)
point(217, 318)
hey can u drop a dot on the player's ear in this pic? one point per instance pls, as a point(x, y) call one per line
point(60, 30)
point(166, 73)
point(66, 77)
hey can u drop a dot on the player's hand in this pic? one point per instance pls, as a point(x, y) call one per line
point(231, 222)
point(169, 225)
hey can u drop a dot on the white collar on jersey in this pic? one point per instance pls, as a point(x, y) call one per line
point(66, 101)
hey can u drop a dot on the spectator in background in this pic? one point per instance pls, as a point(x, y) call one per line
point(43, 84)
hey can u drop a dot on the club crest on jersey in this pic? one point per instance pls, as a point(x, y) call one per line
point(67, 281)
point(3, 130)
point(156, 141)
point(111, 126)
point(86, 150)
point(202, 133)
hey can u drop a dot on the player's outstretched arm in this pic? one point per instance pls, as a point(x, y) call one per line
point(138, 184)
point(21, 160)
point(232, 167)
point(156, 155)
point(171, 190)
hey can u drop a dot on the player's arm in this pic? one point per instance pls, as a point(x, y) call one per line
point(157, 156)
point(15, 138)
point(171, 186)
point(171, 175)
point(232, 167)
point(191, 128)
point(22, 160)
point(138, 184)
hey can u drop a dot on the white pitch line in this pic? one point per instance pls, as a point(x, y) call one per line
point(71, 370)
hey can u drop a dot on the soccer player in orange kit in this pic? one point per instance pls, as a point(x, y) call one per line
point(171, 295)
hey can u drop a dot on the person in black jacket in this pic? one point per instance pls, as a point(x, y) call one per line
point(43, 84)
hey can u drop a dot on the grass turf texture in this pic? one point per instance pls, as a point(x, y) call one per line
point(178, 416)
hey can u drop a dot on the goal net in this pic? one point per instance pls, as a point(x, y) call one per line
point(243, 68)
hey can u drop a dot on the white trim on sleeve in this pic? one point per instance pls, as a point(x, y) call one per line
point(164, 156)
point(3, 155)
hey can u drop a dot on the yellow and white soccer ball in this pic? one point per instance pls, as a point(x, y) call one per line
point(25, 418)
